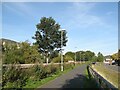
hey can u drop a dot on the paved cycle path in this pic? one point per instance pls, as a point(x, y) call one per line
point(73, 79)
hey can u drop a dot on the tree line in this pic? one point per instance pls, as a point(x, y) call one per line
point(49, 40)
point(28, 54)
point(85, 56)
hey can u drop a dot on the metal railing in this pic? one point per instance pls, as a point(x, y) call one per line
point(102, 82)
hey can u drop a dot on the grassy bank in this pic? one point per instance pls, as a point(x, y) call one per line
point(33, 77)
point(108, 74)
point(37, 84)
point(89, 82)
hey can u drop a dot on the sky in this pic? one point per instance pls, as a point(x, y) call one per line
point(90, 25)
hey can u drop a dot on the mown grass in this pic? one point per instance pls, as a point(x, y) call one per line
point(38, 84)
point(108, 74)
point(90, 82)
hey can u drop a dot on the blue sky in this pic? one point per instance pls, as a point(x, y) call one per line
point(89, 26)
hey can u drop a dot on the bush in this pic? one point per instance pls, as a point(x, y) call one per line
point(39, 72)
point(68, 66)
point(57, 59)
point(48, 70)
point(54, 68)
point(16, 77)
point(26, 54)
point(13, 77)
point(67, 58)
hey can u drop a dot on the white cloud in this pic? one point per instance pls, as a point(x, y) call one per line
point(82, 16)
point(7, 6)
point(20, 8)
point(109, 13)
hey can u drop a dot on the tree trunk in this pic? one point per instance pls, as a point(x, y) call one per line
point(47, 60)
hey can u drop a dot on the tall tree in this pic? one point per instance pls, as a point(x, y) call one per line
point(70, 56)
point(48, 36)
point(100, 57)
point(89, 55)
point(115, 56)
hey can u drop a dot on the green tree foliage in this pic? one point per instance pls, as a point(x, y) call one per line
point(30, 53)
point(56, 59)
point(115, 56)
point(12, 55)
point(84, 55)
point(24, 54)
point(54, 54)
point(39, 72)
point(78, 56)
point(13, 77)
point(81, 56)
point(94, 59)
point(89, 55)
point(100, 57)
point(70, 55)
point(16, 77)
point(67, 58)
point(48, 36)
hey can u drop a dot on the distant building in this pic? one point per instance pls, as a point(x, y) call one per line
point(18, 46)
point(71, 61)
point(108, 59)
point(3, 43)
point(10, 43)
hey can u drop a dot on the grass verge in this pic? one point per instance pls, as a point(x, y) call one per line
point(110, 75)
point(89, 82)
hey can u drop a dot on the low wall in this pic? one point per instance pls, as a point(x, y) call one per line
point(103, 83)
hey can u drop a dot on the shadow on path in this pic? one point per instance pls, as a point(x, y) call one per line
point(71, 80)
point(76, 82)
point(81, 81)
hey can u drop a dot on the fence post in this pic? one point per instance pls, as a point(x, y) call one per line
point(89, 75)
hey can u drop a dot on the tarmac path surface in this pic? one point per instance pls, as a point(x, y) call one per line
point(73, 79)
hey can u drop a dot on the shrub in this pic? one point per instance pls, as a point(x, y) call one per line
point(39, 72)
point(24, 55)
point(48, 70)
point(67, 58)
point(68, 66)
point(54, 68)
point(13, 77)
point(57, 59)
point(16, 77)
